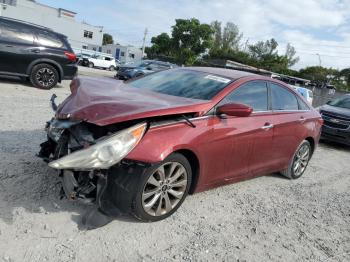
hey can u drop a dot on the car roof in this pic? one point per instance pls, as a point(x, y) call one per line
point(29, 24)
point(230, 73)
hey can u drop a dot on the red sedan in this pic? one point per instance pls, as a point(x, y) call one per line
point(140, 147)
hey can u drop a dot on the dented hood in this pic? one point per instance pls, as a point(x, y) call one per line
point(107, 101)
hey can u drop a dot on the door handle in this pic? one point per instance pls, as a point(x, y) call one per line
point(302, 119)
point(36, 51)
point(267, 126)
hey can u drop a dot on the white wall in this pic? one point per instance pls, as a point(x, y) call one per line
point(47, 16)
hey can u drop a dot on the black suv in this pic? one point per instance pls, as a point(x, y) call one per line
point(35, 53)
point(336, 116)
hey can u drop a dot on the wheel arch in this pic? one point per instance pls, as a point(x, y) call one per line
point(311, 140)
point(53, 63)
point(194, 162)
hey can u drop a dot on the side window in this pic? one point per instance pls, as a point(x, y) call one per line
point(48, 39)
point(12, 32)
point(282, 99)
point(253, 94)
point(302, 105)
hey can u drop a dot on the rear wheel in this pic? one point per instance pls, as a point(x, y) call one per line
point(111, 68)
point(299, 161)
point(44, 76)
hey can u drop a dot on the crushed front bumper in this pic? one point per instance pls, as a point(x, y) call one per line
point(97, 187)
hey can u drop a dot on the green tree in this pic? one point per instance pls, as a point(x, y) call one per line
point(345, 73)
point(190, 38)
point(231, 37)
point(217, 35)
point(263, 50)
point(107, 39)
point(323, 76)
point(290, 55)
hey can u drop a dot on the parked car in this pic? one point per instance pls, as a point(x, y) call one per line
point(81, 56)
point(139, 147)
point(306, 93)
point(101, 61)
point(336, 116)
point(36, 53)
point(146, 67)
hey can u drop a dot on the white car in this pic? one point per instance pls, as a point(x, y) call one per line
point(306, 93)
point(106, 62)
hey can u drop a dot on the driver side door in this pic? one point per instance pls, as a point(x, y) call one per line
point(249, 138)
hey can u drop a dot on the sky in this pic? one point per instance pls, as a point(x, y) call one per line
point(318, 29)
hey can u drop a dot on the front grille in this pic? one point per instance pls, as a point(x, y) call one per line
point(335, 121)
point(335, 125)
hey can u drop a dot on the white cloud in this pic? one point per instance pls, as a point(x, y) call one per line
point(312, 26)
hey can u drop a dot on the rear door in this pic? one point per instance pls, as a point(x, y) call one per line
point(290, 121)
point(249, 138)
point(16, 41)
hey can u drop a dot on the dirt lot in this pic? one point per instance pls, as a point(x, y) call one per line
point(265, 219)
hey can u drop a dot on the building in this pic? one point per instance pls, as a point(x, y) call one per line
point(125, 54)
point(80, 35)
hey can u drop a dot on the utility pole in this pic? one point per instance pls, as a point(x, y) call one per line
point(319, 59)
point(144, 42)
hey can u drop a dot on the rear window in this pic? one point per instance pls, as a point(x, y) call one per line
point(283, 99)
point(183, 83)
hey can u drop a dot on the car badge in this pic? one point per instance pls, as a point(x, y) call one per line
point(333, 120)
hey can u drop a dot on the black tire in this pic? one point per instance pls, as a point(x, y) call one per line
point(91, 65)
point(290, 172)
point(111, 68)
point(139, 75)
point(129, 190)
point(44, 76)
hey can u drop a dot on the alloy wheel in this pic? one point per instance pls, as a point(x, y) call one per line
point(45, 77)
point(164, 189)
point(301, 160)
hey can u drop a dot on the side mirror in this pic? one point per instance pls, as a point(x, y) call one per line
point(240, 110)
point(149, 68)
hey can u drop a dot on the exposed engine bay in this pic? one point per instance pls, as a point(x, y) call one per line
point(83, 181)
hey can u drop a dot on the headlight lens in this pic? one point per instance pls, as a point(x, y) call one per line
point(104, 153)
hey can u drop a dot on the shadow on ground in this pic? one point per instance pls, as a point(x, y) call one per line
point(334, 145)
point(21, 81)
point(26, 180)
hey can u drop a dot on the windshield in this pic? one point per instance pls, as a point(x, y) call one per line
point(343, 102)
point(183, 83)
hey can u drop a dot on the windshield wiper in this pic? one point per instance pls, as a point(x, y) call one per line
point(188, 121)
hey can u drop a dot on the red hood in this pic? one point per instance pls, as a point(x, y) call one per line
point(106, 101)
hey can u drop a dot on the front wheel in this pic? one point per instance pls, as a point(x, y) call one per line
point(91, 65)
point(111, 68)
point(299, 161)
point(158, 192)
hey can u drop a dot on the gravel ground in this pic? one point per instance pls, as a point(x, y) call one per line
point(264, 219)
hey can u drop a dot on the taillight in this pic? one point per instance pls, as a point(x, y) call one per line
point(320, 120)
point(71, 56)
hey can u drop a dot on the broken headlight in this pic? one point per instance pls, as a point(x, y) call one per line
point(105, 153)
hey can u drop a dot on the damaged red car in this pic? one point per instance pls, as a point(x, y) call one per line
point(140, 147)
